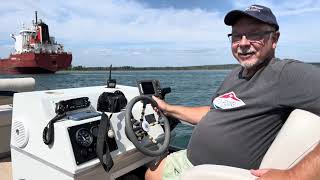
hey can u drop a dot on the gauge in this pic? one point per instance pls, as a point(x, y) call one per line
point(84, 137)
point(94, 131)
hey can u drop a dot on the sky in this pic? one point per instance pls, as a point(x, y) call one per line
point(145, 33)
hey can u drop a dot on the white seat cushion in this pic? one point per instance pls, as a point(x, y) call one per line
point(298, 136)
point(216, 172)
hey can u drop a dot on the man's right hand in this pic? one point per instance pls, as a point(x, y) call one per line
point(189, 114)
point(162, 105)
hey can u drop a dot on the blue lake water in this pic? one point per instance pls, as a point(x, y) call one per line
point(189, 88)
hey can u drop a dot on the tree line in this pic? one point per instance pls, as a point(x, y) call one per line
point(132, 68)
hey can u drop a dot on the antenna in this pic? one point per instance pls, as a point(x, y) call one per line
point(36, 17)
point(111, 83)
point(110, 71)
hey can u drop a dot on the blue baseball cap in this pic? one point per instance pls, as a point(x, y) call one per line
point(258, 12)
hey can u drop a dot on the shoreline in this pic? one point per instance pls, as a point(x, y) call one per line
point(166, 68)
point(131, 68)
point(162, 70)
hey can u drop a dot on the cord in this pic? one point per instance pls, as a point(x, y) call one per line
point(48, 131)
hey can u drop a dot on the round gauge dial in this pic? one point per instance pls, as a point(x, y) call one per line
point(84, 137)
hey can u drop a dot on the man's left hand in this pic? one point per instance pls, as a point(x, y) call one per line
point(272, 174)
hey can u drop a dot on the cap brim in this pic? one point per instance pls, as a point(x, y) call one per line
point(231, 18)
point(234, 15)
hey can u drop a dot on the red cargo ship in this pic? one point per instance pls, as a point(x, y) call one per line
point(35, 52)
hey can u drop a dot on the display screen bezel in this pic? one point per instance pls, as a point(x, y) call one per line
point(144, 87)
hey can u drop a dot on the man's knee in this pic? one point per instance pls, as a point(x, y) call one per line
point(154, 172)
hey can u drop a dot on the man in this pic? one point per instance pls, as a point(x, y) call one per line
point(250, 106)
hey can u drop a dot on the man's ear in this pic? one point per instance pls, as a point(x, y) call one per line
point(275, 39)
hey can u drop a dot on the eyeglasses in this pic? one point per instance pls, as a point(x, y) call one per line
point(254, 36)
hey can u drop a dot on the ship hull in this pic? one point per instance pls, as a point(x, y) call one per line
point(35, 63)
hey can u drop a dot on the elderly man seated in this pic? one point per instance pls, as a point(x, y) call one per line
point(250, 106)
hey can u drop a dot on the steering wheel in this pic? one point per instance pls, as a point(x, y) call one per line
point(137, 130)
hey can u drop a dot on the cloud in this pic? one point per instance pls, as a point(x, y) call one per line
point(118, 29)
point(106, 23)
point(284, 8)
point(120, 21)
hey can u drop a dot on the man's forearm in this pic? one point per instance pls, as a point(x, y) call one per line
point(309, 167)
point(189, 114)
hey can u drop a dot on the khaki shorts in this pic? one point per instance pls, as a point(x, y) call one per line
point(175, 164)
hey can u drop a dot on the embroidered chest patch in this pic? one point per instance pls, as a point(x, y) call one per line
point(227, 101)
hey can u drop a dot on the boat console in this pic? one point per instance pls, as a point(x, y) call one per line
point(85, 133)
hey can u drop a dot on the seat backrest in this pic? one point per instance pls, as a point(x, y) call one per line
point(10, 86)
point(298, 136)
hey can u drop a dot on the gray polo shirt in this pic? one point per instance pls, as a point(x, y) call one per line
point(247, 113)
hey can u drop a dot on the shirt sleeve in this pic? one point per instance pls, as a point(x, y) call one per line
point(299, 85)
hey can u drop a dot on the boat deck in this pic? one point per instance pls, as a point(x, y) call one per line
point(5, 169)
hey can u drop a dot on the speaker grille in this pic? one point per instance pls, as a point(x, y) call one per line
point(20, 134)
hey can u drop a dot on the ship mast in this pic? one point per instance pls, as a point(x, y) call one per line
point(36, 17)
